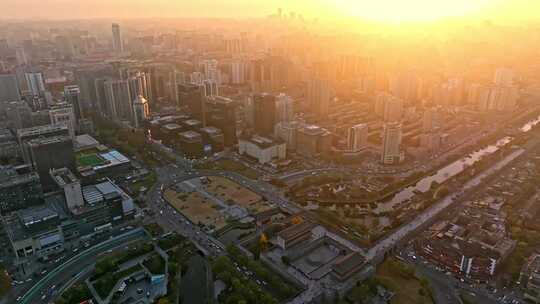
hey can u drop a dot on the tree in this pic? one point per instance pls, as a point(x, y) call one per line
point(5, 282)
point(163, 301)
point(286, 260)
point(263, 242)
point(296, 220)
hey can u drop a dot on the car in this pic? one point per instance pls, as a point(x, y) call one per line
point(19, 298)
point(139, 290)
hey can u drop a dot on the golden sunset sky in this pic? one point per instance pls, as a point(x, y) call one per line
point(380, 10)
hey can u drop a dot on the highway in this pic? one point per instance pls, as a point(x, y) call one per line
point(391, 240)
point(47, 287)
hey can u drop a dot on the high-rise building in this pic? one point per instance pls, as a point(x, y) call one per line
point(357, 137)
point(238, 71)
point(9, 88)
point(222, 115)
point(312, 141)
point(503, 98)
point(141, 111)
point(101, 98)
point(51, 153)
point(191, 96)
point(27, 134)
point(427, 120)
point(63, 114)
point(19, 115)
point(287, 132)
point(503, 77)
point(389, 107)
point(20, 55)
point(139, 84)
point(118, 102)
point(210, 70)
point(117, 43)
point(70, 186)
point(319, 95)
point(391, 150)
point(264, 113)
point(72, 94)
point(210, 88)
point(35, 83)
point(393, 109)
point(285, 110)
point(404, 85)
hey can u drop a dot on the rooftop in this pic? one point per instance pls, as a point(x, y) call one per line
point(113, 158)
point(63, 176)
point(37, 214)
point(97, 193)
point(171, 127)
point(293, 231)
point(192, 122)
point(349, 263)
point(40, 130)
point(262, 142)
point(48, 140)
point(10, 177)
point(211, 130)
point(313, 130)
point(85, 141)
point(190, 135)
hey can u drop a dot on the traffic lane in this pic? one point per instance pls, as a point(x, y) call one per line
point(71, 267)
point(50, 265)
point(172, 221)
point(441, 285)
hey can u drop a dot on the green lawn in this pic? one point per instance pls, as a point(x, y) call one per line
point(75, 295)
point(155, 264)
point(91, 160)
point(400, 278)
point(105, 284)
point(147, 182)
point(230, 165)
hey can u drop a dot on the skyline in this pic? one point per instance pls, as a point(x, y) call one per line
point(504, 11)
point(270, 152)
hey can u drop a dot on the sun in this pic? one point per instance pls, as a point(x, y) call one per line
point(411, 10)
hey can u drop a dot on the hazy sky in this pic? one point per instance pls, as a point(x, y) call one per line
point(379, 9)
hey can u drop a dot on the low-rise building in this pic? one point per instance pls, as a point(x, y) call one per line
point(529, 278)
point(263, 149)
point(191, 144)
point(312, 141)
point(34, 231)
point(295, 234)
point(348, 266)
point(108, 163)
point(19, 188)
point(213, 139)
point(472, 245)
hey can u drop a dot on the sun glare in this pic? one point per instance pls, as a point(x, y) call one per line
point(411, 10)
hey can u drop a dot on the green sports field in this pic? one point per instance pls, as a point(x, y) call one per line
point(89, 160)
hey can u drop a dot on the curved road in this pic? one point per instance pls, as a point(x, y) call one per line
point(64, 272)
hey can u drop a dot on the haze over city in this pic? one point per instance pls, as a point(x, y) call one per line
point(265, 152)
point(515, 11)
